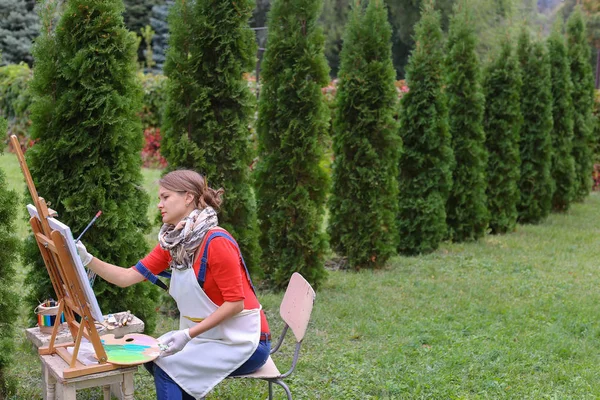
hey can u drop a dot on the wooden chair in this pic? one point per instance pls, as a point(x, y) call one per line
point(295, 310)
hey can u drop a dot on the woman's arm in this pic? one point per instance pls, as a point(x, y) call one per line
point(119, 276)
point(227, 310)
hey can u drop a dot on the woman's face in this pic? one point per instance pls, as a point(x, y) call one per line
point(174, 206)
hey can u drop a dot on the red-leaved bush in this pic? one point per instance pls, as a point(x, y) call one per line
point(151, 157)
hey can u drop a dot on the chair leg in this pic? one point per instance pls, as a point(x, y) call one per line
point(284, 386)
point(270, 390)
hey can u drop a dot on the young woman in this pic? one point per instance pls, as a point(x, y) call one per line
point(222, 329)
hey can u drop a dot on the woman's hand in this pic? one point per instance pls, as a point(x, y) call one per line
point(174, 341)
point(85, 257)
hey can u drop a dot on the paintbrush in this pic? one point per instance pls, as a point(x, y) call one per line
point(89, 225)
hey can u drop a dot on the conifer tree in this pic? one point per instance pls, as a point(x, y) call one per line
point(158, 22)
point(10, 244)
point(535, 146)
point(364, 199)
point(563, 164)
point(89, 138)
point(583, 98)
point(425, 176)
point(502, 123)
point(467, 205)
point(290, 183)
point(19, 25)
point(210, 106)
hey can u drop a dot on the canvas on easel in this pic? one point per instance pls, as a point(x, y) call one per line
point(73, 292)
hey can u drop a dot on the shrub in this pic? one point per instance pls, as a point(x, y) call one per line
point(154, 100)
point(293, 117)
point(583, 97)
point(89, 140)
point(501, 124)
point(425, 176)
point(15, 100)
point(364, 198)
point(563, 164)
point(467, 214)
point(210, 107)
point(535, 146)
point(10, 244)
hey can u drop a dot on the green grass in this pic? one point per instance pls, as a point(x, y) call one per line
point(509, 317)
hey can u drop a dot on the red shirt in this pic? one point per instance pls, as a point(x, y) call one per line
point(226, 278)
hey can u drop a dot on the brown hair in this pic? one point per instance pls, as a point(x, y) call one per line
point(186, 180)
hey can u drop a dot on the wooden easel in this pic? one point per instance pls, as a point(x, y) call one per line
point(69, 293)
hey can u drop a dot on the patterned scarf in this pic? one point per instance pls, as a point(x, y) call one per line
point(182, 240)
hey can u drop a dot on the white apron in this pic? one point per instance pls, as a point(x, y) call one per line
point(212, 356)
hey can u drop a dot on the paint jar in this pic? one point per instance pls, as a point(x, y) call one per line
point(46, 316)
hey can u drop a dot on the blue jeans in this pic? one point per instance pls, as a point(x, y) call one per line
point(168, 389)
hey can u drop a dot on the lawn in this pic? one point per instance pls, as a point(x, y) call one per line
point(511, 316)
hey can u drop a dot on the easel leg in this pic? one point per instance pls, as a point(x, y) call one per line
point(128, 386)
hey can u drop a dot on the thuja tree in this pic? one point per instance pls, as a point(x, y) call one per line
point(10, 244)
point(583, 97)
point(209, 107)
point(366, 146)
point(89, 138)
point(293, 118)
point(425, 176)
point(502, 123)
point(535, 146)
point(467, 214)
point(563, 164)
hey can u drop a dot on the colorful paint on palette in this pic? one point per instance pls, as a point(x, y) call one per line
point(131, 349)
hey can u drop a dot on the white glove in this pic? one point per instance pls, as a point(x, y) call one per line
point(86, 257)
point(174, 340)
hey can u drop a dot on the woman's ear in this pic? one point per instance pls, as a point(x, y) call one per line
point(189, 199)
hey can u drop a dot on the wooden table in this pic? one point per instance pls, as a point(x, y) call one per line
point(55, 387)
point(117, 382)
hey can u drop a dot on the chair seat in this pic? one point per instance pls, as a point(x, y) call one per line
point(269, 370)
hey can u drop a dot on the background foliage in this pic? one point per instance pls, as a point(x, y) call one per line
point(86, 100)
point(209, 108)
point(425, 171)
point(364, 197)
point(467, 214)
point(293, 118)
point(563, 163)
point(502, 125)
point(583, 95)
point(9, 257)
point(535, 144)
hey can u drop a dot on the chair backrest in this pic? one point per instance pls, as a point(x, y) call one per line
point(297, 305)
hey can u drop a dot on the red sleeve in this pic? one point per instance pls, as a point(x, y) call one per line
point(224, 267)
point(156, 261)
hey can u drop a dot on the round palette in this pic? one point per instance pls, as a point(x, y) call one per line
point(131, 349)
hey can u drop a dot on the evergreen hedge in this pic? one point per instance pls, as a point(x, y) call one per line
point(563, 163)
point(291, 183)
point(535, 183)
point(209, 108)
point(9, 301)
point(364, 197)
point(502, 123)
point(583, 97)
point(425, 176)
point(467, 214)
point(85, 118)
